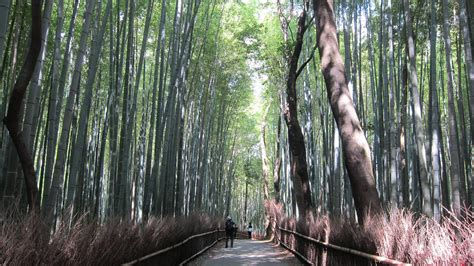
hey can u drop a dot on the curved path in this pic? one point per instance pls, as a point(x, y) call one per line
point(247, 252)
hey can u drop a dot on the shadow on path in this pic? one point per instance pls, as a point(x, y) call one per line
point(247, 252)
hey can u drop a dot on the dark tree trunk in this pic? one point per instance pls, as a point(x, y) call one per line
point(355, 146)
point(12, 120)
point(299, 169)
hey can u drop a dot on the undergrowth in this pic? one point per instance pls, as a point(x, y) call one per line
point(401, 235)
point(26, 242)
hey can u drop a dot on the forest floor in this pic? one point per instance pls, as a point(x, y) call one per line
point(246, 252)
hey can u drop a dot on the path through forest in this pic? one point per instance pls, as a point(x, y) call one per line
point(247, 252)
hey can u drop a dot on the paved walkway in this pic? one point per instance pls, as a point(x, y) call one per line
point(247, 252)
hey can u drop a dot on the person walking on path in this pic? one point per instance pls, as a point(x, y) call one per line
point(229, 231)
point(249, 230)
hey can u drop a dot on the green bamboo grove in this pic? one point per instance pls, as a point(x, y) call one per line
point(140, 108)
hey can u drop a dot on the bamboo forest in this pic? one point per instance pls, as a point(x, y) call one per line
point(319, 132)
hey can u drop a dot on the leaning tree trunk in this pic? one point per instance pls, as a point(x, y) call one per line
point(33, 99)
point(10, 159)
point(299, 169)
point(355, 147)
point(12, 120)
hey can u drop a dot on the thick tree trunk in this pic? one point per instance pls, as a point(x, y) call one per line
point(12, 161)
point(12, 119)
point(355, 146)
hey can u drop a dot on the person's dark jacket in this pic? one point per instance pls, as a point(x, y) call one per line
point(229, 227)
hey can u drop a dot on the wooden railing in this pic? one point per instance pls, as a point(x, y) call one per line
point(318, 252)
point(312, 251)
point(183, 251)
